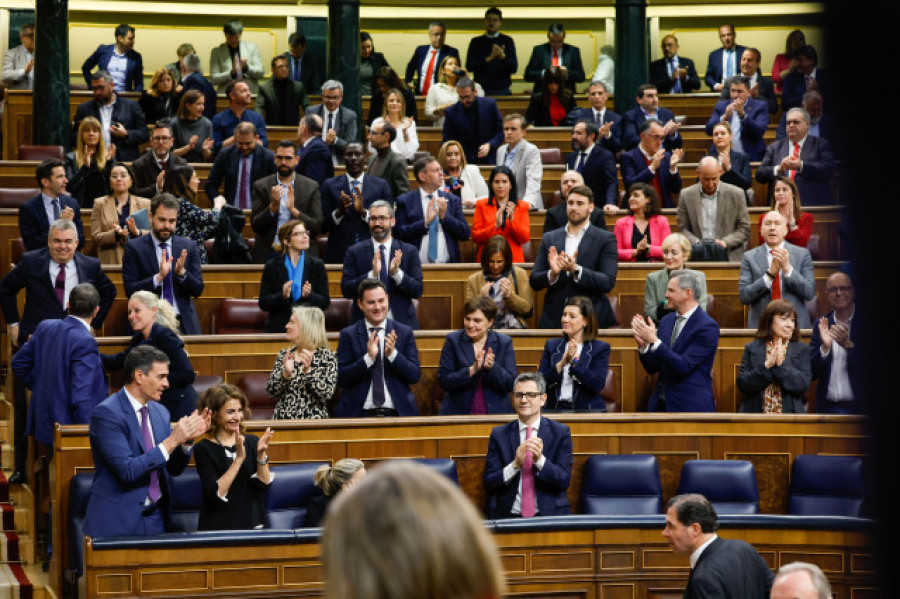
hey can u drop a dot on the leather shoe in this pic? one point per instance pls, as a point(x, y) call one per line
point(17, 478)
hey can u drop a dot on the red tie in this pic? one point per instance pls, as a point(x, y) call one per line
point(429, 73)
point(795, 155)
point(655, 181)
point(555, 61)
point(528, 480)
point(776, 284)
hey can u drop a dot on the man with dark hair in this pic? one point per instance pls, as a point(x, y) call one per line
point(239, 165)
point(385, 163)
point(136, 451)
point(806, 76)
point(192, 78)
point(492, 56)
point(596, 165)
point(747, 116)
point(36, 215)
point(165, 264)
point(426, 60)
point(474, 122)
point(235, 59)
point(523, 158)
point(609, 124)
point(302, 68)
point(315, 159)
point(649, 162)
point(555, 53)
point(150, 169)
point(120, 60)
point(18, 64)
point(121, 120)
point(280, 98)
point(338, 127)
point(760, 86)
point(225, 122)
point(377, 358)
point(673, 74)
point(719, 567)
point(723, 62)
point(648, 108)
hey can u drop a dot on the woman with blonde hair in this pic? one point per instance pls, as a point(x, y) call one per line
point(407, 141)
point(158, 101)
point(88, 165)
point(461, 179)
point(676, 251)
point(112, 224)
point(332, 480)
point(442, 95)
point(735, 165)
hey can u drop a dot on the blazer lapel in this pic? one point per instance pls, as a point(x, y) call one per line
point(762, 260)
point(513, 436)
point(45, 276)
point(130, 417)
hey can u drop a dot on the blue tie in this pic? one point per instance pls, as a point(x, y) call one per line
point(729, 63)
point(383, 275)
point(676, 87)
point(330, 122)
point(432, 234)
point(296, 69)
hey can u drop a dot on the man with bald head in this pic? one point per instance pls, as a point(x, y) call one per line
point(556, 216)
point(800, 580)
point(832, 351)
point(711, 210)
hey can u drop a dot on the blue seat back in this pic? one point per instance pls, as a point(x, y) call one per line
point(79, 493)
point(824, 485)
point(290, 492)
point(621, 485)
point(187, 494)
point(730, 485)
point(445, 466)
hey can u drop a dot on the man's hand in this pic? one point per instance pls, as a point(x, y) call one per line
point(376, 264)
point(739, 107)
point(165, 266)
point(841, 334)
point(179, 264)
point(677, 156)
point(754, 91)
point(610, 210)
point(569, 263)
point(30, 65)
point(118, 130)
point(722, 243)
point(431, 213)
point(14, 334)
point(160, 180)
point(330, 137)
point(484, 149)
point(497, 51)
point(277, 195)
point(605, 128)
point(556, 261)
point(395, 263)
point(790, 163)
point(645, 330)
point(825, 334)
point(346, 204)
point(68, 213)
point(783, 258)
point(390, 342)
point(111, 151)
point(671, 128)
point(656, 159)
point(441, 207)
point(372, 345)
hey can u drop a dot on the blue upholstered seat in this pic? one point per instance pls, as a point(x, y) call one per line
point(824, 485)
point(730, 485)
point(290, 492)
point(621, 485)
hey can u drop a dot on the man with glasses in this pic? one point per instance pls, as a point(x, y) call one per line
point(18, 64)
point(122, 120)
point(150, 169)
point(338, 122)
point(529, 460)
point(832, 351)
point(651, 163)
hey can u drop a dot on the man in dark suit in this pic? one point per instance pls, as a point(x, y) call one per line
point(650, 163)
point(128, 76)
point(806, 76)
point(131, 491)
point(576, 260)
point(345, 200)
point(725, 61)
point(820, 125)
point(377, 359)
point(239, 166)
point(315, 159)
point(280, 98)
point(491, 57)
point(165, 264)
point(608, 122)
point(648, 108)
point(302, 68)
point(192, 78)
point(123, 125)
point(475, 123)
point(673, 74)
point(760, 86)
point(51, 204)
point(556, 217)
point(338, 122)
point(281, 197)
point(836, 362)
point(149, 169)
point(529, 460)
point(426, 60)
point(747, 116)
point(596, 165)
point(682, 351)
point(395, 264)
point(555, 53)
point(808, 160)
point(719, 567)
point(225, 123)
point(385, 163)
point(429, 219)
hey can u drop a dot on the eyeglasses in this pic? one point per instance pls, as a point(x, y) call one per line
point(160, 138)
point(379, 219)
point(527, 394)
point(839, 289)
point(794, 121)
point(655, 137)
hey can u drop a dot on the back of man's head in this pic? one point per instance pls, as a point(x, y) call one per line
point(693, 507)
point(83, 300)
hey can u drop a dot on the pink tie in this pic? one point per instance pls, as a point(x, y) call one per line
point(528, 480)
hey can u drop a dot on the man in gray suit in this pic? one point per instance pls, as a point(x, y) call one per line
point(524, 158)
point(776, 269)
point(235, 59)
point(18, 64)
point(338, 122)
point(712, 210)
point(386, 163)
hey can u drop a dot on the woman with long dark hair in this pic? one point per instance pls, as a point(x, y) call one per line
point(386, 79)
point(193, 222)
point(553, 101)
point(505, 284)
point(502, 213)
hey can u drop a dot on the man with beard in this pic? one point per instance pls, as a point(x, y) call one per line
point(385, 162)
point(150, 169)
point(121, 119)
point(596, 164)
point(239, 165)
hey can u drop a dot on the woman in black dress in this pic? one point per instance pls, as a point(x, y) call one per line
point(159, 101)
point(332, 480)
point(553, 101)
point(89, 163)
point(227, 459)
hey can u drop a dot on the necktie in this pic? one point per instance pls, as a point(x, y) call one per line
point(676, 86)
point(330, 122)
point(676, 330)
point(153, 492)
point(582, 158)
point(555, 61)
point(378, 375)
point(354, 188)
point(383, 275)
point(238, 74)
point(806, 82)
point(296, 69)
point(244, 184)
point(729, 64)
point(60, 286)
point(55, 203)
point(795, 154)
point(167, 292)
point(429, 73)
point(598, 118)
point(776, 283)
point(432, 233)
point(528, 480)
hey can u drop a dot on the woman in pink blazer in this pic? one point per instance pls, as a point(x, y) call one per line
point(639, 235)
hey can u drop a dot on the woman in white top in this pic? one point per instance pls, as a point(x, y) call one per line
point(461, 179)
point(407, 141)
point(443, 94)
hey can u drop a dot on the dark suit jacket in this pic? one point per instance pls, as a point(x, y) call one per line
point(269, 102)
point(34, 227)
point(414, 66)
point(355, 378)
point(588, 373)
point(542, 57)
point(631, 128)
point(765, 89)
point(129, 114)
point(411, 222)
point(753, 126)
point(197, 81)
point(134, 72)
point(146, 170)
point(739, 175)
point(685, 369)
point(139, 265)
point(32, 274)
point(614, 142)
point(496, 382)
point(494, 76)
point(538, 114)
point(315, 161)
point(635, 170)
point(598, 258)
point(352, 228)
point(227, 167)
point(550, 482)
point(821, 367)
point(827, 128)
point(309, 74)
point(794, 86)
point(344, 126)
point(275, 275)
point(264, 223)
point(659, 76)
point(490, 129)
point(358, 266)
point(818, 166)
point(729, 568)
point(793, 375)
point(376, 104)
point(599, 173)
point(557, 218)
point(61, 365)
point(714, 72)
point(392, 169)
point(122, 467)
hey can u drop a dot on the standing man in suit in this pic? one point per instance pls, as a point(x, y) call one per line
point(345, 202)
point(394, 263)
point(225, 122)
point(556, 216)
point(430, 219)
point(492, 56)
point(529, 460)
point(719, 567)
point(283, 196)
point(150, 169)
point(832, 351)
point(608, 122)
point(650, 163)
point(776, 270)
point(474, 122)
point(122, 119)
point(377, 359)
point(36, 215)
point(165, 264)
point(338, 122)
point(239, 165)
point(682, 351)
point(806, 76)
point(385, 163)
point(760, 86)
point(301, 71)
point(808, 160)
point(136, 451)
point(119, 60)
point(426, 60)
point(576, 260)
point(48, 276)
point(523, 158)
point(648, 108)
point(235, 59)
point(280, 98)
point(192, 78)
point(315, 159)
point(673, 74)
point(723, 62)
point(747, 116)
point(555, 53)
point(18, 64)
point(596, 165)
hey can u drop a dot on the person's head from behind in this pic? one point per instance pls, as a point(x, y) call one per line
point(191, 63)
point(84, 301)
point(228, 408)
point(163, 215)
point(387, 79)
point(373, 301)
point(676, 250)
point(344, 475)
point(62, 240)
point(496, 257)
point(145, 373)
point(779, 322)
point(406, 532)
point(800, 580)
point(682, 291)
point(306, 328)
point(690, 519)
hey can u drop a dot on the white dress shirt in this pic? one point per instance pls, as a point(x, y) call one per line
point(785, 273)
point(509, 471)
point(839, 388)
point(695, 556)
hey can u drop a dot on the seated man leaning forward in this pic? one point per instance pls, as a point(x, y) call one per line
point(529, 460)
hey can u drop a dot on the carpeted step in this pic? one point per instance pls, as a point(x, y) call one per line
point(14, 582)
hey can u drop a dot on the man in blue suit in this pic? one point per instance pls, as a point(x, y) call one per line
point(723, 62)
point(555, 53)
point(427, 59)
point(609, 123)
point(136, 451)
point(596, 165)
point(395, 264)
point(648, 108)
point(475, 123)
point(650, 163)
point(192, 78)
point(240, 165)
point(124, 126)
point(682, 351)
point(165, 264)
point(747, 116)
point(430, 219)
point(315, 159)
point(377, 359)
point(529, 460)
point(51, 204)
point(128, 68)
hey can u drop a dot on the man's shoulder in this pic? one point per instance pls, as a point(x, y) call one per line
point(85, 261)
point(558, 428)
point(269, 181)
point(35, 203)
point(314, 109)
point(409, 197)
point(399, 327)
point(600, 151)
point(344, 111)
point(124, 102)
point(145, 159)
point(501, 430)
point(633, 114)
point(263, 152)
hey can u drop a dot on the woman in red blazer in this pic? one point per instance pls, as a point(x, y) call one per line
point(786, 200)
point(639, 235)
point(501, 213)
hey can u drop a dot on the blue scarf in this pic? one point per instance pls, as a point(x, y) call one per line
point(295, 274)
